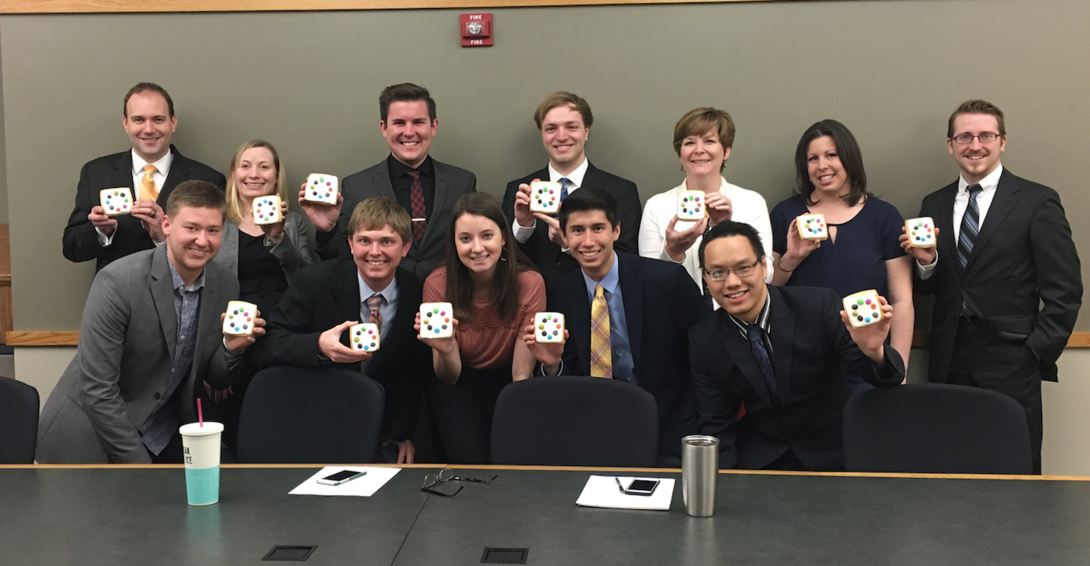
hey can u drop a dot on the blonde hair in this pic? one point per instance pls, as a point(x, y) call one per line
point(234, 200)
point(376, 213)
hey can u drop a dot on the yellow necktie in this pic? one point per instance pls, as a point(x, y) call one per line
point(601, 358)
point(147, 183)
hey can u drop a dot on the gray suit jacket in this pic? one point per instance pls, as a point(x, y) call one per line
point(123, 364)
point(294, 251)
point(450, 184)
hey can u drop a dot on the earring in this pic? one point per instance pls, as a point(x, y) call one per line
point(503, 253)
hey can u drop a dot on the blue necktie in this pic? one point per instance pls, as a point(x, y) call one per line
point(565, 183)
point(755, 334)
point(970, 228)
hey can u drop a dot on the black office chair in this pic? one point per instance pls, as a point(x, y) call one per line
point(936, 428)
point(310, 415)
point(575, 421)
point(18, 421)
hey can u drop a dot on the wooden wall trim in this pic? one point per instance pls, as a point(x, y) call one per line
point(136, 6)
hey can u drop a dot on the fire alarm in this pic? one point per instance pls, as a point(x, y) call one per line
point(476, 30)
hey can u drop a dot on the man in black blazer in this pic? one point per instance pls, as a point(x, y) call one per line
point(148, 118)
point(652, 305)
point(564, 120)
point(778, 351)
point(308, 327)
point(426, 188)
point(1005, 274)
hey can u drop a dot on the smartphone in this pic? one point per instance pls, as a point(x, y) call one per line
point(343, 476)
point(639, 487)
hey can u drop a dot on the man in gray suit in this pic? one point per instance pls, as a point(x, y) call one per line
point(150, 331)
point(424, 187)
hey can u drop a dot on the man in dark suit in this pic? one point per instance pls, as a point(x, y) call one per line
point(647, 305)
point(1005, 272)
point(150, 170)
point(424, 187)
point(324, 300)
point(151, 331)
point(564, 120)
point(779, 351)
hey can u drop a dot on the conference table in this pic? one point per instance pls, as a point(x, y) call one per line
point(59, 515)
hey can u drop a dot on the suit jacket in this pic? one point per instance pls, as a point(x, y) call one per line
point(293, 251)
point(450, 184)
point(124, 360)
point(550, 261)
point(80, 238)
point(326, 294)
point(1022, 257)
point(809, 343)
point(661, 304)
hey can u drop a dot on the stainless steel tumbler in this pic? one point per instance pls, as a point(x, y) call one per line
point(699, 469)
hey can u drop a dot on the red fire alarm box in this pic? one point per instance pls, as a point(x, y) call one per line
point(476, 30)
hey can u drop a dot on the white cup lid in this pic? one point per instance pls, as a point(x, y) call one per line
point(195, 429)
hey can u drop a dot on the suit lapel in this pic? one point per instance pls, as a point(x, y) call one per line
point(739, 352)
point(179, 172)
point(632, 295)
point(579, 318)
point(162, 294)
point(441, 194)
point(1006, 195)
point(783, 339)
point(593, 177)
point(944, 221)
point(347, 291)
point(381, 179)
point(122, 173)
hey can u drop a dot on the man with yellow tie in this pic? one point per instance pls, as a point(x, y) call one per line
point(628, 317)
point(151, 169)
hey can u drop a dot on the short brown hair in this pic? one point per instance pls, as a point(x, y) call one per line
point(404, 92)
point(234, 199)
point(699, 121)
point(378, 212)
point(196, 194)
point(144, 87)
point(977, 107)
point(561, 98)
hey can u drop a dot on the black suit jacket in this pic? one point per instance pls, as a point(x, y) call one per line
point(547, 257)
point(661, 304)
point(809, 343)
point(450, 184)
point(324, 295)
point(1022, 257)
point(80, 238)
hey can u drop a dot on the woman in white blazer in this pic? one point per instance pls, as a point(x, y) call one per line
point(702, 140)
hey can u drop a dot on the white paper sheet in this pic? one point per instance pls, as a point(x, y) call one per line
point(602, 491)
point(359, 487)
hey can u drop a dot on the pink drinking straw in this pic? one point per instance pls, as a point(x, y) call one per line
point(200, 415)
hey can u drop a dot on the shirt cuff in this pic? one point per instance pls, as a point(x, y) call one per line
point(559, 370)
point(522, 233)
point(103, 239)
point(232, 358)
point(925, 271)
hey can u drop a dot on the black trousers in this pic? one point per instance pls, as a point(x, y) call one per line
point(463, 412)
point(982, 358)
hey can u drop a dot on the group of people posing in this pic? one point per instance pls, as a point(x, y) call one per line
point(733, 323)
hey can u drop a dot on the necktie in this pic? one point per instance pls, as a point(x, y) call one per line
point(148, 190)
point(970, 228)
point(565, 186)
point(416, 201)
point(374, 303)
point(755, 334)
point(601, 359)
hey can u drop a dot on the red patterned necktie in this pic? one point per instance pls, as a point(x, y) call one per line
point(416, 201)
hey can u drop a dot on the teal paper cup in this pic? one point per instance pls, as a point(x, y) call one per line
point(201, 450)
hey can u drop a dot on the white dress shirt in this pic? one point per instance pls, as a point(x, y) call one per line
point(523, 233)
point(160, 177)
point(988, 186)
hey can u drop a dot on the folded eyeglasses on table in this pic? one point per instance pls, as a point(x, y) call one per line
point(443, 483)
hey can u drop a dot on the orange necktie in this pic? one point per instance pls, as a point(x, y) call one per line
point(601, 357)
point(148, 190)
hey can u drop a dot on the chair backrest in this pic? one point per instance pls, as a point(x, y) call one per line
point(575, 421)
point(310, 415)
point(18, 421)
point(936, 428)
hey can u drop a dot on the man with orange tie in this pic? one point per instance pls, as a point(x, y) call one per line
point(627, 317)
point(150, 170)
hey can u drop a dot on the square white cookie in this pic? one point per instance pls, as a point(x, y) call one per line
point(267, 210)
point(545, 197)
point(863, 308)
point(116, 202)
point(321, 188)
point(549, 327)
point(690, 206)
point(812, 227)
point(921, 232)
point(363, 337)
point(436, 320)
point(240, 318)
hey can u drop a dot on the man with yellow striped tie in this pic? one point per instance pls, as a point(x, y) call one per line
point(628, 317)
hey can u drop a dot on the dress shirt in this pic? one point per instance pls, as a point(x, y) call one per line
point(762, 321)
point(619, 346)
point(388, 310)
point(523, 233)
point(402, 183)
point(162, 170)
point(988, 186)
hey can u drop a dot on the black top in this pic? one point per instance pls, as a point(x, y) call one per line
point(261, 279)
point(403, 182)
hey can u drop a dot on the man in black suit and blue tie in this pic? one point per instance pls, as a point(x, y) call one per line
point(1005, 272)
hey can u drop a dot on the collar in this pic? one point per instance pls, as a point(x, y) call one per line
point(399, 169)
point(988, 183)
point(762, 318)
point(163, 165)
point(389, 293)
point(609, 282)
point(179, 284)
point(575, 177)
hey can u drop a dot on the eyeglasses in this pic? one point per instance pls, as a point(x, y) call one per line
point(741, 272)
point(966, 139)
point(434, 483)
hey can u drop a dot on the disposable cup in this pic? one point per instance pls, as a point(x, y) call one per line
point(201, 451)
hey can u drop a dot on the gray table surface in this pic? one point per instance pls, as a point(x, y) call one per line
point(139, 516)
